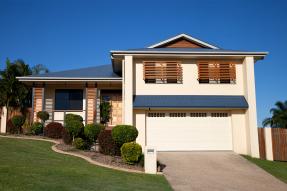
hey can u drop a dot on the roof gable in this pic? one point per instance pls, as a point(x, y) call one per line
point(183, 41)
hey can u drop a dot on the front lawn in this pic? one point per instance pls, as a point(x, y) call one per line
point(32, 165)
point(277, 169)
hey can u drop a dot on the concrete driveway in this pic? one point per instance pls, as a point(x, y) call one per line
point(194, 171)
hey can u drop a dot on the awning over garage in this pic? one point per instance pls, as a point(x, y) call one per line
point(189, 101)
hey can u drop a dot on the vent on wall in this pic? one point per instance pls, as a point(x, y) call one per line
point(219, 114)
point(198, 114)
point(156, 114)
point(177, 114)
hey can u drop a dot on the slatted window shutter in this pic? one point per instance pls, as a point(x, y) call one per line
point(162, 72)
point(210, 71)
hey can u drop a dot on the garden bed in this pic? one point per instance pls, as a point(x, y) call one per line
point(115, 161)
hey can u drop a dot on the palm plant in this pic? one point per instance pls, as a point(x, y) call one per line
point(279, 116)
point(14, 93)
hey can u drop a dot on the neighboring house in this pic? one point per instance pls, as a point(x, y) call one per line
point(182, 94)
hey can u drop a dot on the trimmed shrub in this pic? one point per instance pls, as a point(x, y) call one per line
point(124, 134)
point(79, 143)
point(53, 130)
point(107, 144)
point(43, 115)
point(74, 127)
point(26, 128)
point(37, 128)
point(11, 128)
point(67, 139)
point(71, 117)
point(141, 160)
point(92, 131)
point(18, 121)
point(131, 152)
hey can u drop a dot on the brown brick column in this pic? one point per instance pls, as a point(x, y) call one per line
point(91, 98)
point(38, 101)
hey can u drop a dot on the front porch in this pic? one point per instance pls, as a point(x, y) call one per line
point(81, 98)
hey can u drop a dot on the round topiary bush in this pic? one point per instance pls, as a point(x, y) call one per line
point(74, 127)
point(66, 137)
point(18, 121)
point(131, 152)
point(43, 115)
point(124, 134)
point(107, 144)
point(37, 128)
point(71, 117)
point(79, 143)
point(92, 131)
point(53, 130)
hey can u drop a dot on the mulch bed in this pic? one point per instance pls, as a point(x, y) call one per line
point(115, 161)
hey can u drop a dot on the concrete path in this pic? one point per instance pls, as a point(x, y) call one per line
point(216, 171)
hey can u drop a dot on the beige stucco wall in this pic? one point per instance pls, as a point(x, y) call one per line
point(190, 85)
point(239, 131)
point(128, 84)
point(251, 113)
point(140, 123)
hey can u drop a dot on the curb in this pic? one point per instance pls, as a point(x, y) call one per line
point(74, 154)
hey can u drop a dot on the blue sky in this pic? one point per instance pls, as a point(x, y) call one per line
point(66, 34)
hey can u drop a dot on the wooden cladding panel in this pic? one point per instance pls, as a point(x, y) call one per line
point(181, 43)
point(91, 97)
point(216, 70)
point(37, 101)
point(162, 70)
point(279, 144)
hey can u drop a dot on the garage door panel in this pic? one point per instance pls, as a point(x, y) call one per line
point(189, 133)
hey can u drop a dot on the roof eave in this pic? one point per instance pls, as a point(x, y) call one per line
point(29, 79)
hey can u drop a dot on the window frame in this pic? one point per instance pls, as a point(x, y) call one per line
point(70, 106)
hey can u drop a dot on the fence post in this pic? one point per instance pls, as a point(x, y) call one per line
point(268, 144)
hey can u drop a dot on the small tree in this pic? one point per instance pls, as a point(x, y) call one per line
point(105, 109)
point(74, 125)
point(43, 115)
point(18, 121)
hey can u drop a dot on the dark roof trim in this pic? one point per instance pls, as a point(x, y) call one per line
point(189, 101)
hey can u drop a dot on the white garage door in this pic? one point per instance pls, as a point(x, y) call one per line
point(188, 131)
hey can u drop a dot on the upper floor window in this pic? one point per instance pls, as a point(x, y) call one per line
point(162, 72)
point(223, 72)
point(69, 99)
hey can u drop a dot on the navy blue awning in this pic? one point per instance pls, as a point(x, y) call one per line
point(189, 101)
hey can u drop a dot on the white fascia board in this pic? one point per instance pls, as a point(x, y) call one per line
point(185, 36)
point(221, 53)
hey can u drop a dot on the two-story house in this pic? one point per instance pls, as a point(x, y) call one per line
point(182, 94)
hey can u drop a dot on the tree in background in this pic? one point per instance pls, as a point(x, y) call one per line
point(14, 94)
point(39, 69)
point(279, 116)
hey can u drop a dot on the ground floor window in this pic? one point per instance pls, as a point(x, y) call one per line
point(69, 99)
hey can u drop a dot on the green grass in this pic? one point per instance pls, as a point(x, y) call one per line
point(32, 165)
point(277, 169)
